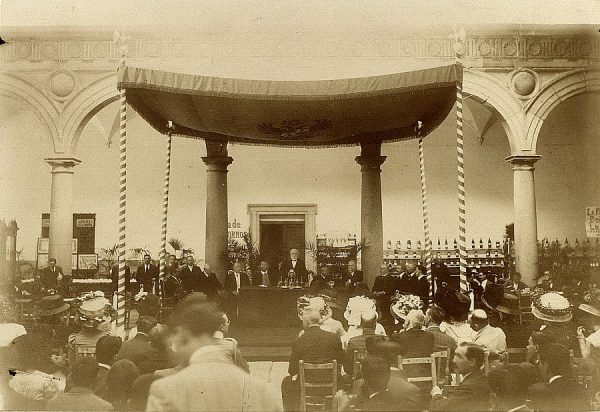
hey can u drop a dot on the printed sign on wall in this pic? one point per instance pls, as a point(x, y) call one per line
point(592, 221)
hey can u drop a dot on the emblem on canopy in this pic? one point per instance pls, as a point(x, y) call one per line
point(294, 129)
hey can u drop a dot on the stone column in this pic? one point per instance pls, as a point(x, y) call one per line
point(61, 211)
point(371, 221)
point(4, 278)
point(526, 250)
point(216, 248)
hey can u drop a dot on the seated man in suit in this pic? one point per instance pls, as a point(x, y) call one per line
point(80, 397)
point(147, 274)
point(52, 275)
point(368, 321)
point(413, 341)
point(138, 348)
point(473, 393)
point(354, 276)
point(314, 346)
point(265, 277)
point(561, 393)
point(321, 279)
point(514, 283)
point(376, 373)
point(296, 264)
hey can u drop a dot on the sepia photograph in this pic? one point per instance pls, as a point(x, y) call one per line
point(287, 205)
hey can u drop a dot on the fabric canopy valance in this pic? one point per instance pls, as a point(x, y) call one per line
point(293, 113)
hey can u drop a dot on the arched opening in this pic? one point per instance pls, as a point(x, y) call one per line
point(568, 175)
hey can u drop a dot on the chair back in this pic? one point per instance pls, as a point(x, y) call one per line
point(525, 312)
point(442, 365)
point(358, 357)
point(313, 394)
point(429, 376)
point(522, 355)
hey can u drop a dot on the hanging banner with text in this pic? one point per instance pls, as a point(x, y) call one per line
point(592, 221)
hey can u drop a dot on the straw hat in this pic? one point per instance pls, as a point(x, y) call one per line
point(551, 307)
point(50, 305)
point(592, 302)
point(95, 312)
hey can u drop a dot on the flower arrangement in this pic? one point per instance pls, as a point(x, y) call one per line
point(356, 306)
point(402, 304)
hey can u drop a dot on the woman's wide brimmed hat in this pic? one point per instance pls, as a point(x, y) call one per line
point(50, 305)
point(95, 312)
point(356, 306)
point(551, 307)
point(404, 304)
point(592, 302)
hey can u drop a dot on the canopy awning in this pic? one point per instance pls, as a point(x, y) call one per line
point(293, 113)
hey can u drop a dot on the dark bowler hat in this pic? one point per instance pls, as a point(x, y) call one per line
point(50, 305)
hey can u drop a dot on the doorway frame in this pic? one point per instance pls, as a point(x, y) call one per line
point(308, 210)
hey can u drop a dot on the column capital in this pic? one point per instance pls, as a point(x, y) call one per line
point(370, 162)
point(217, 163)
point(62, 164)
point(523, 162)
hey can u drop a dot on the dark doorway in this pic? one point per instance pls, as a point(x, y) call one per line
point(277, 238)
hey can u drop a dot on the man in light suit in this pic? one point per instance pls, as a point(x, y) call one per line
point(210, 381)
point(296, 264)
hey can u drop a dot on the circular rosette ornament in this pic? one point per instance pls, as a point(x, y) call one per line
point(402, 304)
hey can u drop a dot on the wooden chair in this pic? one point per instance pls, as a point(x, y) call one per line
point(442, 365)
point(525, 307)
point(358, 357)
point(318, 401)
point(24, 308)
point(429, 377)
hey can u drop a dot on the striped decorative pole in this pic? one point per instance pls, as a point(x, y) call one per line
point(165, 211)
point(425, 202)
point(122, 194)
point(462, 237)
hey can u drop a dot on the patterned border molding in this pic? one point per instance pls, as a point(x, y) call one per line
point(569, 48)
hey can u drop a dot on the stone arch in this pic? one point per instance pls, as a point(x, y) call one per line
point(490, 92)
point(24, 92)
point(85, 105)
point(560, 88)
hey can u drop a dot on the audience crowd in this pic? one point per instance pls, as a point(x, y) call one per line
point(395, 348)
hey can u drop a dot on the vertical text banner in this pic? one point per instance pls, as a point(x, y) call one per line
point(592, 221)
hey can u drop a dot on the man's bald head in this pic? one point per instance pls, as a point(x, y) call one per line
point(479, 319)
point(311, 317)
point(415, 319)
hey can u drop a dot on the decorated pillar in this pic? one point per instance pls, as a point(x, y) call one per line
point(61, 211)
point(526, 250)
point(216, 247)
point(371, 221)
